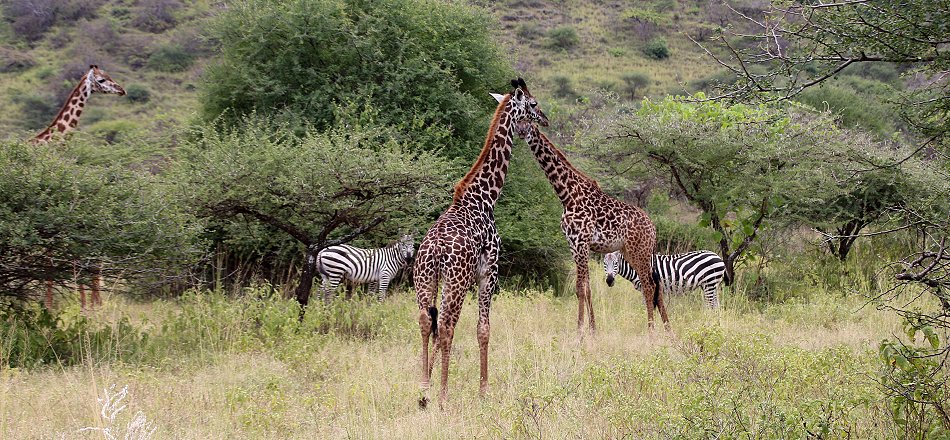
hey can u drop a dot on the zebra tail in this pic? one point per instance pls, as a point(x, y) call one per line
point(656, 288)
point(434, 316)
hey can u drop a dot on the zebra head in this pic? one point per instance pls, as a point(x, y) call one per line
point(611, 265)
point(406, 246)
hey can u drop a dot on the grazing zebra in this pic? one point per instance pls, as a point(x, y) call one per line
point(363, 265)
point(678, 273)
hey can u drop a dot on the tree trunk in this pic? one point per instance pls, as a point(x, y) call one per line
point(306, 278)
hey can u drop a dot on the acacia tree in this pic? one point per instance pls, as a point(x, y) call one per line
point(737, 164)
point(60, 220)
point(805, 44)
point(319, 189)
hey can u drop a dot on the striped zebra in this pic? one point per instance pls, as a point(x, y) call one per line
point(678, 273)
point(380, 266)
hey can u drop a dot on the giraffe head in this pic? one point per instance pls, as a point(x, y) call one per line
point(100, 82)
point(524, 107)
point(406, 246)
point(611, 265)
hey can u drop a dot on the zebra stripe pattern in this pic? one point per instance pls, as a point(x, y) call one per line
point(678, 273)
point(358, 265)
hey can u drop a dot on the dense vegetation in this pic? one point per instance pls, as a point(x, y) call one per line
point(255, 133)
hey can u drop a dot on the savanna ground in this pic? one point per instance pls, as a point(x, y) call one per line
point(240, 366)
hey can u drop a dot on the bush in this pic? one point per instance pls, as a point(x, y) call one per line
point(138, 93)
point(435, 91)
point(36, 111)
point(156, 15)
point(563, 38)
point(34, 336)
point(657, 49)
point(169, 59)
point(563, 87)
point(634, 82)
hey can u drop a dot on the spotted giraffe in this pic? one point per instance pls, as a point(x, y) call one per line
point(594, 221)
point(461, 248)
point(94, 81)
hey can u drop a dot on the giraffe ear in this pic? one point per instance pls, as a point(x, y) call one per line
point(497, 97)
point(514, 83)
point(521, 83)
point(93, 66)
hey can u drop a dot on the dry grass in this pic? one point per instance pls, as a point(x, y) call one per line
point(545, 380)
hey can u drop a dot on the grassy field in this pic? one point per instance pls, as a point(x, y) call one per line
point(225, 367)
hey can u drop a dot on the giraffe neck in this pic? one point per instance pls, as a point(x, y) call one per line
point(68, 117)
point(563, 176)
point(482, 185)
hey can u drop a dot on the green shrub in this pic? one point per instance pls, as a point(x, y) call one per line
point(563, 38)
point(34, 336)
point(617, 52)
point(563, 87)
point(36, 111)
point(169, 59)
point(634, 83)
point(138, 93)
point(657, 49)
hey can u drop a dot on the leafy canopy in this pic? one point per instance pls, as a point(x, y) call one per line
point(425, 66)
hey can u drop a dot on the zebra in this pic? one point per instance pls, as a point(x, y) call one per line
point(358, 265)
point(677, 273)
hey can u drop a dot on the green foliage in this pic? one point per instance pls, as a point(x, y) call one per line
point(268, 192)
point(633, 83)
point(917, 382)
point(36, 111)
point(860, 109)
point(138, 93)
point(738, 164)
point(35, 337)
point(563, 87)
point(169, 59)
point(57, 215)
point(425, 67)
point(657, 49)
point(562, 38)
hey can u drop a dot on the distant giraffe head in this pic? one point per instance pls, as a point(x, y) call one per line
point(94, 81)
point(100, 82)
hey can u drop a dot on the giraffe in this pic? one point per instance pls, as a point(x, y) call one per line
point(594, 221)
point(94, 81)
point(461, 248)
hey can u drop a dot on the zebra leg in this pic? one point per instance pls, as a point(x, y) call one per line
point(329, 285)
point(711, 296)
point(383, 286)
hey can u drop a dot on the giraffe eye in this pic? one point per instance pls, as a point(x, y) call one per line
point(534, 104)
point(101, 80)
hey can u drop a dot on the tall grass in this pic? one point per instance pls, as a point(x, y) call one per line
point(211, 365)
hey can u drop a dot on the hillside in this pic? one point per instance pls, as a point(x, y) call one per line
point(156, 50)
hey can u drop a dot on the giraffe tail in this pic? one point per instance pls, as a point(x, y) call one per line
point(656, 288)
point(434, 316)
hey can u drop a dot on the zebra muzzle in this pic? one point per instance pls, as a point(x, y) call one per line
point(610, 280)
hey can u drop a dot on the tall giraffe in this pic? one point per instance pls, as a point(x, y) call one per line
point(461, 248)
point(94, 81)
point(594, 221)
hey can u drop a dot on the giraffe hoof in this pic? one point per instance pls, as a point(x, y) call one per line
point(423, 402)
